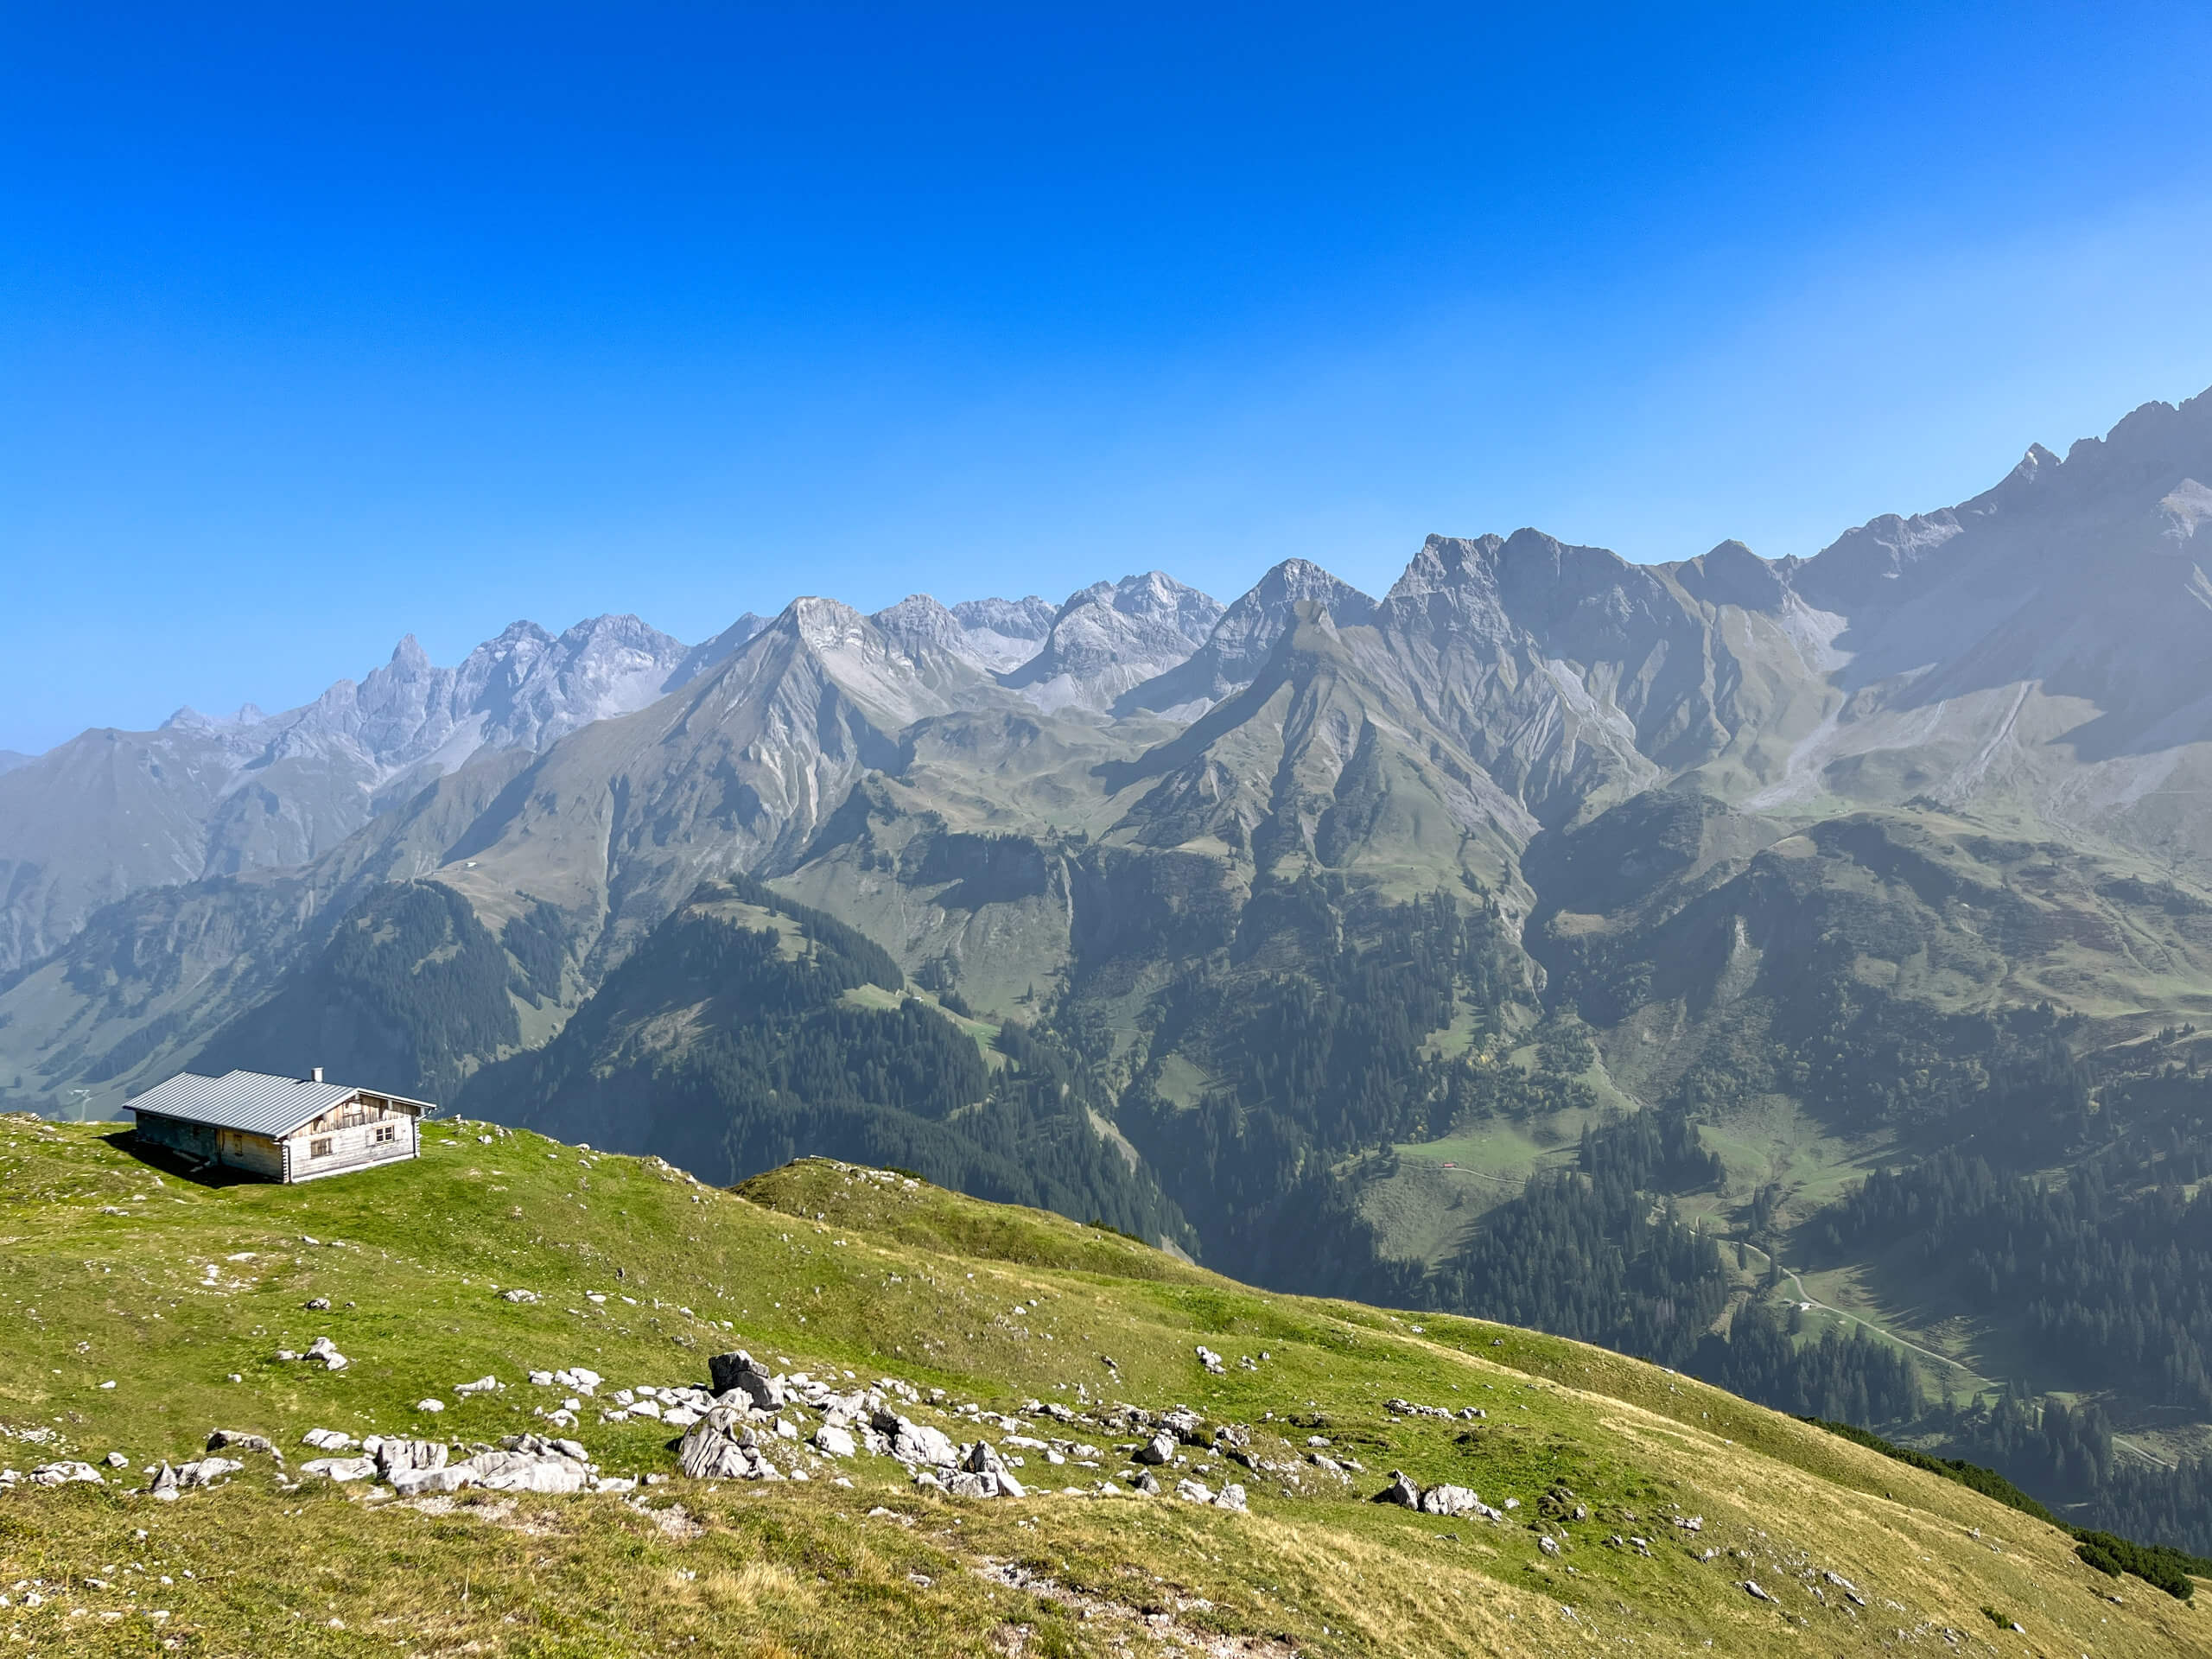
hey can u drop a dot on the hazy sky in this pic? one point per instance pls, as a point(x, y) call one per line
point(322, 325)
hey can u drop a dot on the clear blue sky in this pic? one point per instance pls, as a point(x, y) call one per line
point(320, 325)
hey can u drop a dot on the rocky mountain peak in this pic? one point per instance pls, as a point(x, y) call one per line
point(1733, 575)
point(1240, 642)
point(711, 654)
point(1155, 597)
point(1014, 619)
point(823, 624)
point(408, 659)
point(919, 622)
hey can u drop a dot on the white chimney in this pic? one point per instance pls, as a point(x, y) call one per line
point(315, 1075)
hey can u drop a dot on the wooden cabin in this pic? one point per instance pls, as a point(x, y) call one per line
point(287, 1129)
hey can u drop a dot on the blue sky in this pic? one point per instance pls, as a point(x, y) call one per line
point(320, 325)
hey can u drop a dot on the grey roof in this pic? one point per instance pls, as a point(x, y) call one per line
point(252, 1102)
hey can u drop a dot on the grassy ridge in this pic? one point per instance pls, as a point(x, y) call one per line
point(822, 1271)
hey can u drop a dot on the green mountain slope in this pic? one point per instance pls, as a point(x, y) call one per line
point(119, 1273)
point(748, 1030)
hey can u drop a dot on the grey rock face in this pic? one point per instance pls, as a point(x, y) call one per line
point(738, 1369)
point(402, 1456)
point(1241, 641)
point(1161, 1448)
point(1400, 1492)
point(524, 1471)
point(111, 812)
point(722, 1446)
point(341, 1469)
point(1111, 637)
point(995, 635)
point(919, 1443)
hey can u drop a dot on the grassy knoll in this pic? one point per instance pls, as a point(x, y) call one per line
point(816, 1268)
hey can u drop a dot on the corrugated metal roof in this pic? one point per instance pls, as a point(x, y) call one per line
point(252, 1102)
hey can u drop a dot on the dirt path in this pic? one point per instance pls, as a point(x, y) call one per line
point(1806, 1296)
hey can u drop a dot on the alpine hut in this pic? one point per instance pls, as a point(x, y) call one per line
point(287, 1128)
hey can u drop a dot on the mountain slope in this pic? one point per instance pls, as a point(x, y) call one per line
point(824, 1269)
point(1552, 909)
point(747, 1030)
point(111, 812)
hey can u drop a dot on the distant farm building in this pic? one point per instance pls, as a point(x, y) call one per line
point(287, 1129)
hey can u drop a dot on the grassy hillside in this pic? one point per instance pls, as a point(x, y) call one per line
point(115, 1273)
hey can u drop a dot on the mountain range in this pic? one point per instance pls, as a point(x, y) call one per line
point(1346, 920)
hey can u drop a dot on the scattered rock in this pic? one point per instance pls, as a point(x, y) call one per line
point(117, 1460)
point(62, 1474)
point(1452, 1501)
point(831, 1440)
point(1211, 1360)
point(317, 1305)
point(522, 1297)
point(326, 1350)
point(738, 1369)
point(1400, 1490)
point(418, 1483)
point(913, 1443)
point(430, 1405)
point(326, 1440)
point(721, 1445)
point(1751, 1589)
point(1558, 1503)
point(206, 1471)
point(239, 1440)
point(341, 1469)
point(1230, 1497)
point(524, 1472)
point(1161, 1448)
point(396, 1455)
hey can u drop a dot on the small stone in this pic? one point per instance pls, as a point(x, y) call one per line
point(237, 1439)
point(430, 1405)
point(326, 1350)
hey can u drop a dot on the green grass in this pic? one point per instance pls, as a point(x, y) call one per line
point(820, 1268)
point(985, 1033)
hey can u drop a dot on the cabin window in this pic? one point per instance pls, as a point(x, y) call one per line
point(319, 1148)
point(386, 1133)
